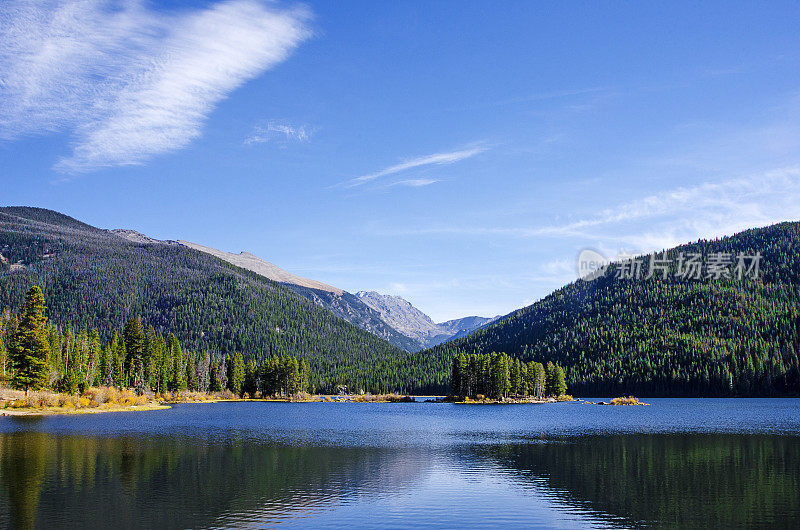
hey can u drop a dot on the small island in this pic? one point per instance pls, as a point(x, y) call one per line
point(624, 401)
point(498, 378)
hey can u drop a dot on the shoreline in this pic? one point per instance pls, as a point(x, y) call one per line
point(321, 398)
point(59, 411)
point(318, 398)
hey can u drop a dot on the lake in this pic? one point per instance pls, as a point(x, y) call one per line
point(713, 463)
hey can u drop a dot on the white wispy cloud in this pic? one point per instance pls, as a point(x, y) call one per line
point(126, 81)
point(436, 159)
point(277, 130)
point(414, 183)
point(667, 218)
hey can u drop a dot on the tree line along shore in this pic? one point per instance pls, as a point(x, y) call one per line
point(135, 368)
point(55, 369)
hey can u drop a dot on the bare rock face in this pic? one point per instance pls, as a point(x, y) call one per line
point(255, 264)
point(135, 237)
point(410, 321)
point(401, 315)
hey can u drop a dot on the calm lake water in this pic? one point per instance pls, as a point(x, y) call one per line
point(712, 463)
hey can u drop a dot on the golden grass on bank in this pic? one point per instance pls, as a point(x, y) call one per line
point(191, 396)
point(92, 398)
point(629, 400)
point(380, 398)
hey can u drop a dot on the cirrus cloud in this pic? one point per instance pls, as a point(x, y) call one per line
point(129, 82)
point(436, 159)
point(276, 130)
point(414, 183)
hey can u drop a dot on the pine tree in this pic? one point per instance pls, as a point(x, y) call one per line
point(93, 360)
point(455, 377)
point(203, 372)
point(191, 370)
point(501, 375)
point(218, 377)
point(464, 376)
point(30, 345)
point(105, 373)
point(539, 380)
point(550, 381)
point(303, 376)
point(556, 380)
point(3, 356)
point(250, 377)
point(164, 364)
point(238, 374)
point(72, 376)
point(149, 367)
point(119, 362)
point(134, 342)
point(560, 381)
point(177, 379)
point(229, 372)
point(294, 380)
point(522, 378)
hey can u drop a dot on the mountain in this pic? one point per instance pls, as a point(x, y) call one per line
point(98, 278)
point(253, 263)
point(135, 237)
point(461, 327)
point(341, 303)
point(390, 317)
point(410, 321)
point(667, 336)
point(402, 316)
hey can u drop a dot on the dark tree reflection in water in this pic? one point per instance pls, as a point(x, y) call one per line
point(677, 480)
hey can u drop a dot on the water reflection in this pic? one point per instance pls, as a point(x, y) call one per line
point(79, 481)
point(321, 465)
point(23, 470)
point(677, 480)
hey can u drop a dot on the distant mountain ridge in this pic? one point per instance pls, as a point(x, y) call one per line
point(135, 237)
point(407, 319)
point(461, 327)
point(260, 266)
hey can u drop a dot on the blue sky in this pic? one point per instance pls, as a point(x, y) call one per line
point(459, 154)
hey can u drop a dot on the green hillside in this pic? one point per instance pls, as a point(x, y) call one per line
point(93, 278)
point(712, 337)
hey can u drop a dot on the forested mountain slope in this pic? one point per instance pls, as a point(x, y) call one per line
point(674, 336)
point(341, 303)
point(97, 279)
